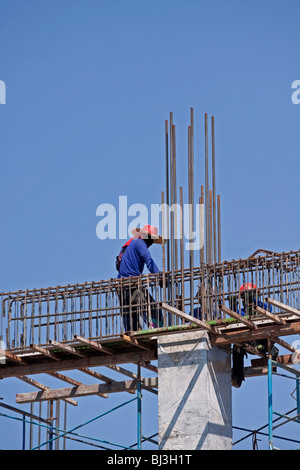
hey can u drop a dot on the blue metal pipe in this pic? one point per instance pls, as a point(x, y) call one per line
point(270, 404)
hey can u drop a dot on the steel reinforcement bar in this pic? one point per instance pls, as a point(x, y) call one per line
point(107, 308)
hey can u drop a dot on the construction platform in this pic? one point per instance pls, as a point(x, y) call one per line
point(81, 326)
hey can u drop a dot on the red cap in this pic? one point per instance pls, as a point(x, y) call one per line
point(248, 286)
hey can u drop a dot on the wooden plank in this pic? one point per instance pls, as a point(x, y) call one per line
point(93, 344)
point(136, 342)
point(284, 359)
point(12, 357)
point(270, 315)
point(100, 376)
point(238, 317)
point(189, 318)
point(66, 347)
point(255, 371)
point(253, 350)
point(71, 381)
point(83, 390)
point(45, 352)
point(262, 332)
point(76, 363)
point(128, 373)
point(284, 307)
point(284, 344)
point(43, 387)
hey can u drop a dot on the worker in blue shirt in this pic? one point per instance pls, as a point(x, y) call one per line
point(249, 300)
point(131, 261)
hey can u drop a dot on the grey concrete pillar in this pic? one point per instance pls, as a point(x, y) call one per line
point(194, 393)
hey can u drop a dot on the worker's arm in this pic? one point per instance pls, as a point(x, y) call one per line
point(145, 255)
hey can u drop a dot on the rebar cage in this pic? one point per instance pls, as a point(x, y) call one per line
point(106, 309)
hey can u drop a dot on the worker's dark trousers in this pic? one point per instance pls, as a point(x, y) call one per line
point(135, 311)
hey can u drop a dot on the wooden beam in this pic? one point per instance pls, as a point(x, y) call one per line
point(189, 318)
point(238, 317)
point(136, 342)
point(12, 357)
point(43, 387)
point(284, 359)
point(83, 390)
point(262, 332)
point(100, 376)
point(255, 371)
point(93, 344)
point(128, 373)
point(284, 307)
point(284, 344)
point(270, 315)
point(76, 363)
point(71, 381)
point(149, 366)
point(66, 348)
point(253, 350)
point(43, 351)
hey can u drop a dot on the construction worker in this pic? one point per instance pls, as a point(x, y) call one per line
point(130, 262)
point(248, 294)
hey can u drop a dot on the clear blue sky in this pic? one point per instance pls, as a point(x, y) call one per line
point(89, 85)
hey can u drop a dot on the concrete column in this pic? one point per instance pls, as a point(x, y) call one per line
point(194, 393)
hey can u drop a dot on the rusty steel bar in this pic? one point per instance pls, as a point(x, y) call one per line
point(206, 190)
point(214, 189)
point(219, 227)
point(167, 196)
point(80, 308)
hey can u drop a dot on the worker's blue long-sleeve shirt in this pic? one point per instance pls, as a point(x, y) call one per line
point(134, 259)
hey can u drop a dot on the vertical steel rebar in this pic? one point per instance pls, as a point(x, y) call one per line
point(210, 228)
point(201, 223)
point(181, 247)
point(175, 197)
point(214, 189)
point(191, 146)
point(219, 228)
point(167, 196)
point(206, 188)
point(172, 207)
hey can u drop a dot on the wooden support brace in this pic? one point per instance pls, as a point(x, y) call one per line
point(238, 317)
point(71, 381)
point(284, 344)
point(99, 376)
point(93, 344)
point(12, 357)
point(253, 350)
point(136, 342)
point(83, 390)
point(270, 315)
point(76, 363)
point(43, 351)
point(189, 318)
point(42, 387)
point(284, 307)
point(128, 373)
point(66, 347)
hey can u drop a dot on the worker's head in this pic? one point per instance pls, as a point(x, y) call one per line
point(248, 290)
point(148, 233)
point(248, 287)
